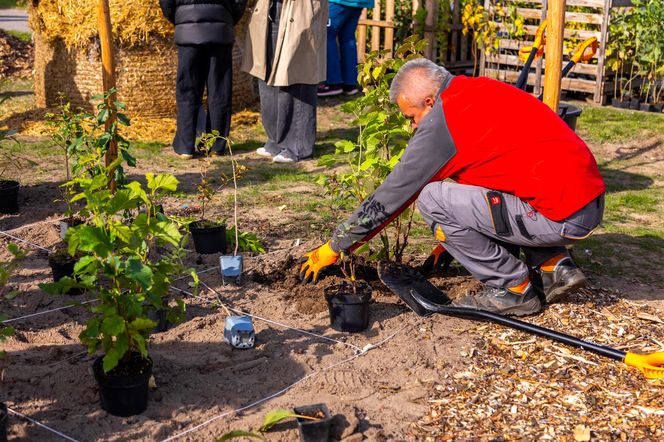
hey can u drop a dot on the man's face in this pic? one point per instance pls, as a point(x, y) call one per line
point(414, 111)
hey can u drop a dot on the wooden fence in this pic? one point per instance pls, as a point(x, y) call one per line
point(456, 56)
point(590, 77)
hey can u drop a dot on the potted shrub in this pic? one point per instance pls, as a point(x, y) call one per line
point(10, 159)
point(209, 236)
point(6, 268)
point(122, 267)
point(348, 301)
point(313, 421)
point(70, 136)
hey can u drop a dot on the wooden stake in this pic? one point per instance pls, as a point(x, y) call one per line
point(108, 76)
point(554, 53)
point(389, 31)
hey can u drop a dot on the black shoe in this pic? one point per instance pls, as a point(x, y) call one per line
point(503, 301)
point(564, 279)
point(350, 89)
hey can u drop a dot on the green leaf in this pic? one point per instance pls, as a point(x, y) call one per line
point(93, 239)
point(274, 417)
point(137, 191)
point(142, 324)
point(162, 181)
point(112, 325)
point(139, 272)
point(167, 231)
point(239, 433)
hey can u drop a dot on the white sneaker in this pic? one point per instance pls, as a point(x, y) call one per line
point(282, 159)
point(263, 152)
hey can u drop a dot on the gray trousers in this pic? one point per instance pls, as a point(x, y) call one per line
point(288, 112)
point(477, 239)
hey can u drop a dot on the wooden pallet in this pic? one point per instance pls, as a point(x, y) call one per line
point(591, 78)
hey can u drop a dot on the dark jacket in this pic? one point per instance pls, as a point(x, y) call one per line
point(200, 22)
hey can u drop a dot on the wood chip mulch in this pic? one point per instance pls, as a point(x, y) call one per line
point(16, 56)
point(519, 387)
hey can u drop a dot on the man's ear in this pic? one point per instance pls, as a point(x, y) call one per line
point(428, 102)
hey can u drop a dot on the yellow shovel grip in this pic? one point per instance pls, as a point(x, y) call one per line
point(580, 52)
point(651, 365)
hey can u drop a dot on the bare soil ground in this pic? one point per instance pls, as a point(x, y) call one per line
point(404, 378)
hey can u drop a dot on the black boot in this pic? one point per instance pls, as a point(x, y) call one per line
point(503, 301)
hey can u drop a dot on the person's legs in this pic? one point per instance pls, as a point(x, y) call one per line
point(296, 122)
point(471, 221)
point(220, 92)
point(269, 95)
point(348, 46)
point(335, 21)
point(189, 86)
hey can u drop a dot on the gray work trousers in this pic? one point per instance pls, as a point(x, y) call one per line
point(463, 214)
point(288, 112)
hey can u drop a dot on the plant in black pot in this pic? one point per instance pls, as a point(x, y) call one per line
point(70, 135)
point(209, 235)
point(130, 268)
point(10, 159)
point(348, 301)
point(6, 269)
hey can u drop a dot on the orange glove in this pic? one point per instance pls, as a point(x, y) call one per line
point(315, 261)
point(439, 258)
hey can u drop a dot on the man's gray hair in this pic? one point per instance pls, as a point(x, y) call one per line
point(426, 83)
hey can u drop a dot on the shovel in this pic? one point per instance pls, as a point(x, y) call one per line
point(425, 299)
point(529, 53)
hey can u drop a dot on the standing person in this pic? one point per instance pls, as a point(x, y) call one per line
point(285, 50)
point(342, 47)
point(535, 186)
point(204, 37)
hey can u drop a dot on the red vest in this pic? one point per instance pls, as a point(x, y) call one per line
point(507, 140)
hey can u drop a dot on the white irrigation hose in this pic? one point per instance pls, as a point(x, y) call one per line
point(52, 430)
point(362, 352)
point(269, 321)
point(37, 246)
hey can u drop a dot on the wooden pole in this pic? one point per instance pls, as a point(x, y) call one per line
point(430, 29)
point(362, 38)
point(108, 76)
point(375, 30)
point(389, 30)
point(554, 53)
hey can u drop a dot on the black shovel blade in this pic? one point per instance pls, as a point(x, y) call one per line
point(408, 284)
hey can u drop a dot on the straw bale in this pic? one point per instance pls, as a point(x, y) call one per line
point(75, 22)
point(68, 58)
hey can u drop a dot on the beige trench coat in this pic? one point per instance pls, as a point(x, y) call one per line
point(301, 51)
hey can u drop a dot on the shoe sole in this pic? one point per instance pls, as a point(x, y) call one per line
point(557, 294)
point(329, 94)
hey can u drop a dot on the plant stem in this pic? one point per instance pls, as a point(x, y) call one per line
point(237, 242)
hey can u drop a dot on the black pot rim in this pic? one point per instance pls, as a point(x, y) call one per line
point(106, 379)
point(348, 299)
point(9, 185)
point(193, 227)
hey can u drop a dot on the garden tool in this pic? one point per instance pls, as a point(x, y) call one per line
point(425, 299)
point(529, 53)
point(583, 52)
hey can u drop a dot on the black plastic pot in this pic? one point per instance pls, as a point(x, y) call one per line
point(8, 196)
point(620, 104)
point(208, 239)
point(67, 223)
point(349, 309)
point(124, 390)
point(314, 430)
point(161, 318)
point(569, 113)
point(635, 104)
point(3, 422)
point(62, 269)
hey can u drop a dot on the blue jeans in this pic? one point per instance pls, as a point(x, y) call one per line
point(341, 45)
